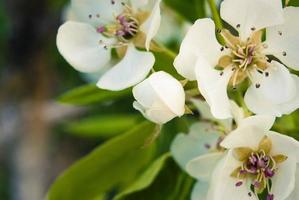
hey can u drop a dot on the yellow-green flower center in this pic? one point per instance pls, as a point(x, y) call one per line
point(258, 167)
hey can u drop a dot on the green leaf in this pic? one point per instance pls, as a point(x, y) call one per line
point(293, 3)
point(190, 10)
point(114, 164)
point(91, 94)
point(165, 63)
point(146, 178)
point(102, 126)
point(170, 184)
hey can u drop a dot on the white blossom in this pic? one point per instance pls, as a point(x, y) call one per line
point(160, 98)
point(257, 160)
point(273, 90)
point(98, 27)
point(199, 151)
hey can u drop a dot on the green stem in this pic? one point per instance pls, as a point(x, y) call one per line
point(215, 14)
point(169, 52)
point(217, 20)
point(158, 47)
point(243, 104)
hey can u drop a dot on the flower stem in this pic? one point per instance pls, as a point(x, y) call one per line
point(217, 20)
point(169, 52)
point(243, 104)
point(158, 47)
point(215, 14)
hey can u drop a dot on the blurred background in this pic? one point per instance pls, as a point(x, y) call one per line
point(39, 137)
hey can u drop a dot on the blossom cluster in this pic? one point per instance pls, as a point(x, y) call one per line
point(233, 154)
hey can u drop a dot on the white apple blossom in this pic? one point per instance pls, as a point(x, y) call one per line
point(274, 90)
point(98, 27)
point(203, 143)
point(160, 97)
point(257, 160)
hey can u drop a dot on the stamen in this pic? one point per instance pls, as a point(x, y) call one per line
point(284, 53)
point(238, 184)
point(270, 197)
point(280, 33)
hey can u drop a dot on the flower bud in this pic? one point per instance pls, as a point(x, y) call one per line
point(159, 98)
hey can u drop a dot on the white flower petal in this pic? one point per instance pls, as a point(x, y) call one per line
point(223, 186)
point(277, 88)
point(170, 91)
point(151, 26)
point(283, 183)
point(283, 144)
point(157, 113)
point(202, 167)
point(199, 191)
point(295, 193)
point(284, 38)
point(200, 40)
point(264, 122)
point(292, 105)
point(161, 96)
point(244, 136)
point(237, 112)
point(257, 14)
point(138, 3)
point(204, 108)
point(213, 86)
point(79, 44)
point(96, 12)
point(132, 69)
point(186, 147)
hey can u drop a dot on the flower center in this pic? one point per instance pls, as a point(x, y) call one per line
point(258, 167)
point(124, 29)
point(244, 56)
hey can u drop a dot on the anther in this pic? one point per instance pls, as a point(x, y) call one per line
point(238, 184)
point(270, 197)
point(112, 2)
point(221, 73)
point(90, 16)
point(207, 146)
point(267, 74)
point(98, 15)
point(257, 85)
point(253, 28)
point(259, 71)
point(279, 33)
point(222, 49)
point(238, 25)
point(284, 53)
